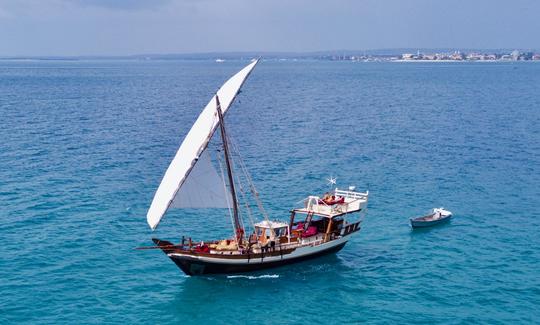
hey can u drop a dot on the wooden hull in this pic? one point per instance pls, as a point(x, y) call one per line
point(192, 264)
point(425, 224)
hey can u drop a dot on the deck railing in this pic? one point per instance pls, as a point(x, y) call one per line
point(351, 194)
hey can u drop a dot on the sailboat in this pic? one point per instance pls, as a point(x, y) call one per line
point(319, 226)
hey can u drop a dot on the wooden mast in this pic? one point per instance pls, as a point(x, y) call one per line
point(237, 225)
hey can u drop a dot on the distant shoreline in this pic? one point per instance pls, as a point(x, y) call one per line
point(460, 61)
point(393, 54)
point(247, 59)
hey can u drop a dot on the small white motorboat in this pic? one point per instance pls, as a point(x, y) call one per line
point(437, 216)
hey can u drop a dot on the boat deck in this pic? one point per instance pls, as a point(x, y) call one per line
point(346, 202)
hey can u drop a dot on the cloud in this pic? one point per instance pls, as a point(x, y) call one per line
point(4, 13)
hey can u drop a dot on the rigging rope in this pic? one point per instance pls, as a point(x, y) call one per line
point(249, 179)
point(244, 197)
point(251, 184)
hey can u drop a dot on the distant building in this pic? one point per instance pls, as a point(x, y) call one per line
point(441, 56)
point(475, 57)
point(515, 55)
point(407, 56)
point(458, 56)
point(526, 56)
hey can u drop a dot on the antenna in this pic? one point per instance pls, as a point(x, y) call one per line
point(331, 181)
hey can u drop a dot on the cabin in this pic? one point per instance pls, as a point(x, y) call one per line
point(324, 218)
point(271, 231)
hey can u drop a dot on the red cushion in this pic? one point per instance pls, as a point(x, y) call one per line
point(312, 230)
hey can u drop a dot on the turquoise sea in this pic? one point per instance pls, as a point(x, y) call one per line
point(84, 145)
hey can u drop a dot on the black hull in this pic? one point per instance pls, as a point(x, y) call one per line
point(191, 266)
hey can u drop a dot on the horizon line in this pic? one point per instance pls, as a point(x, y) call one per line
point(259, 52)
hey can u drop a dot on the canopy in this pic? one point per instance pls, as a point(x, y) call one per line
point(193, 146)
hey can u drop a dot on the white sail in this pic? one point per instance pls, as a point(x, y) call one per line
point(203, 188)
point(193, 146)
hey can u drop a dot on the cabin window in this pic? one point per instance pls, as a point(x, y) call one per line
point(267, 232)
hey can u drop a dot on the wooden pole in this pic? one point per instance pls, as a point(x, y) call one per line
point(156, 247)
point(328, 230)
point(237, 225)
point(291, 221)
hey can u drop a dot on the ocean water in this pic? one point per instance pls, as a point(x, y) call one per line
point(84, 145)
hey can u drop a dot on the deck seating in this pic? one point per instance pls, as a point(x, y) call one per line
point(311, 231)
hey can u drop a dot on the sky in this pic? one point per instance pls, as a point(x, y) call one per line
point(125, 27)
